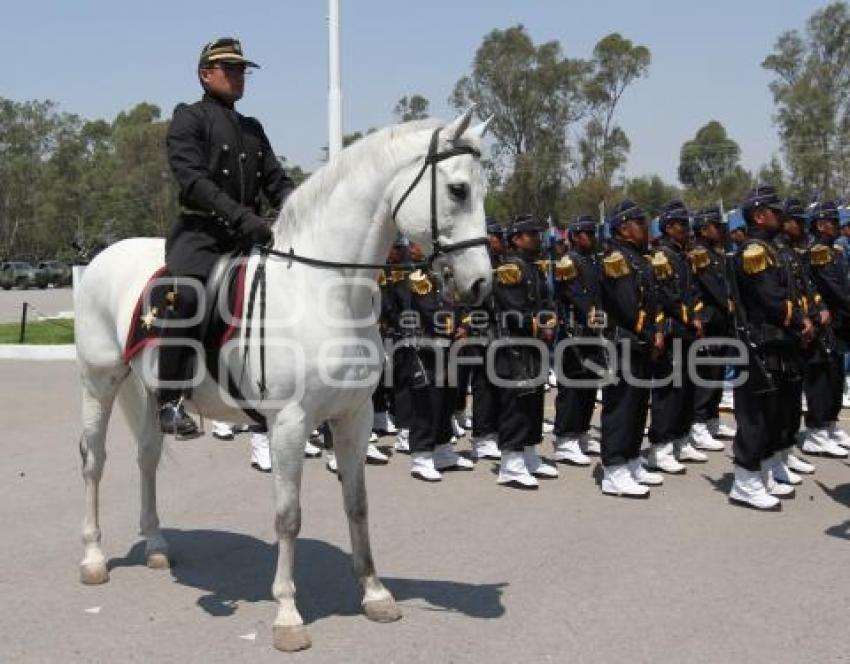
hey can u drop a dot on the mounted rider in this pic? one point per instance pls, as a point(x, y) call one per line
point(227, 174)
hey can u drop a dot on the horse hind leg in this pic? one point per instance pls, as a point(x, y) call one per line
point(140, 407)
point(351, 438)
point(99, 390)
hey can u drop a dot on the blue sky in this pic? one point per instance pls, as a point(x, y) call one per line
point(96, 58)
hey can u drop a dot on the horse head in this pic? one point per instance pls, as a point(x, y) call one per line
point(438, 202)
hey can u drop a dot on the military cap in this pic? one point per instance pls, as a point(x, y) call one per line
point(493, 226)
point(224, 49)
point(525, 223)
point(583, 222)
point(763, 196)
point(706, 216)
point(825, 210)
point(624, 212)
point(792, 208)
point(672, 212)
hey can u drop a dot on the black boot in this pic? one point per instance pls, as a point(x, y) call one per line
point(173, 419)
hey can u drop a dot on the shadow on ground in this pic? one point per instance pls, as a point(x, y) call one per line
point(233, 568)
point(840, 494)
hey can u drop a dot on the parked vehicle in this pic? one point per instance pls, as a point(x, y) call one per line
point(56, 272)
point(18, 274)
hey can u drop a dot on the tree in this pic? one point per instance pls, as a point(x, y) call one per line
point(410, 108)
point(651, 193)
point(534, 94)
point(811, 89)
point(709, 166)
point(617, 63)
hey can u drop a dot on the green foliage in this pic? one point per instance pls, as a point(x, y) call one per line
point(64, 180)
point(709, 167)
point(410, 108)
point(811, 88)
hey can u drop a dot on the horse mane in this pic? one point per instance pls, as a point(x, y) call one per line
point(364, 158)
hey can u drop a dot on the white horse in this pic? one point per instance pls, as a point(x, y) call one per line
point(320, 335)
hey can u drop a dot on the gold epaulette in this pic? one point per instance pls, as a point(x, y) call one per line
point(543, 265)
point(661, 265)
point(756, 259)
point(565, 269)
point(699, 258)
point(820, 255)
point(398, 275)
point(615, 266)
point(420, 284)
point(508, 274)
point(382, 279)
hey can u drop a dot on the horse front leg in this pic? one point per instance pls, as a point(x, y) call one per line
point(287, 438)
point(351, 439)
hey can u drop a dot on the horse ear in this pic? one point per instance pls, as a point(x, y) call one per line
point(480, 129)
point(454, 130)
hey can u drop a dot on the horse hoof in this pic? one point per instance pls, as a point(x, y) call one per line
point(382, 610)
point(158, 560)
point(290, 638)
point(94, 575)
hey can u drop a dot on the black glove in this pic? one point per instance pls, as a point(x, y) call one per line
point(254, 229)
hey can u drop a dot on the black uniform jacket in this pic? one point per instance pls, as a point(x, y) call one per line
point(223, 164)
point(579, 289)
point(829, 271)
point(767, 293)
point(519, 295)
point(710, 268)
point(629, 293)
point(678, 290)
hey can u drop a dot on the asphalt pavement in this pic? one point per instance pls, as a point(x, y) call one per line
point(482, 573)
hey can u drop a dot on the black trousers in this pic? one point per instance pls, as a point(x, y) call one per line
point(764, 418)
point(432, 406)
point(519, 409)
point(485, 398)
point(401, 400)
point(175, 363)
point(707, 399)
point(672, 405)
point(624, 411)
point(823, 383)
point(465, 373)
point(382, 397)
point(573, 410)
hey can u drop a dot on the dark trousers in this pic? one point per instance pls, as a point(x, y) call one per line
point(485, 399)
point(573, 410)
point(823, 383)
point(175, 363)
point(402, 370)
point(520, 408)
point(764, 418)
point(624, 412)
point(520, 418)
point(432, 407)
point(672, 405)
point(465, 373)
point(707, 399)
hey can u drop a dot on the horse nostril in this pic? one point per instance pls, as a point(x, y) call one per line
point(476, 289)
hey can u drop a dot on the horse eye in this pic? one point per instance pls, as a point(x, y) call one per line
point(459, 192)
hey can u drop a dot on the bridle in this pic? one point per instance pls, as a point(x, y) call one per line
point(432, 158)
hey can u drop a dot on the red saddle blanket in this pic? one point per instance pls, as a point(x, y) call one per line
point(155, 299)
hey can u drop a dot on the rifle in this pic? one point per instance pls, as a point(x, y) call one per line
point(742, 329)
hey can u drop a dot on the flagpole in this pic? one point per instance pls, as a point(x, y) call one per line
point(334, 84)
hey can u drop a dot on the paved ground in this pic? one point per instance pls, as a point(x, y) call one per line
point(483, 574)
point(47, 302)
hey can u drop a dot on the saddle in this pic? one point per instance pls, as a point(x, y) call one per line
point(223, 311)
